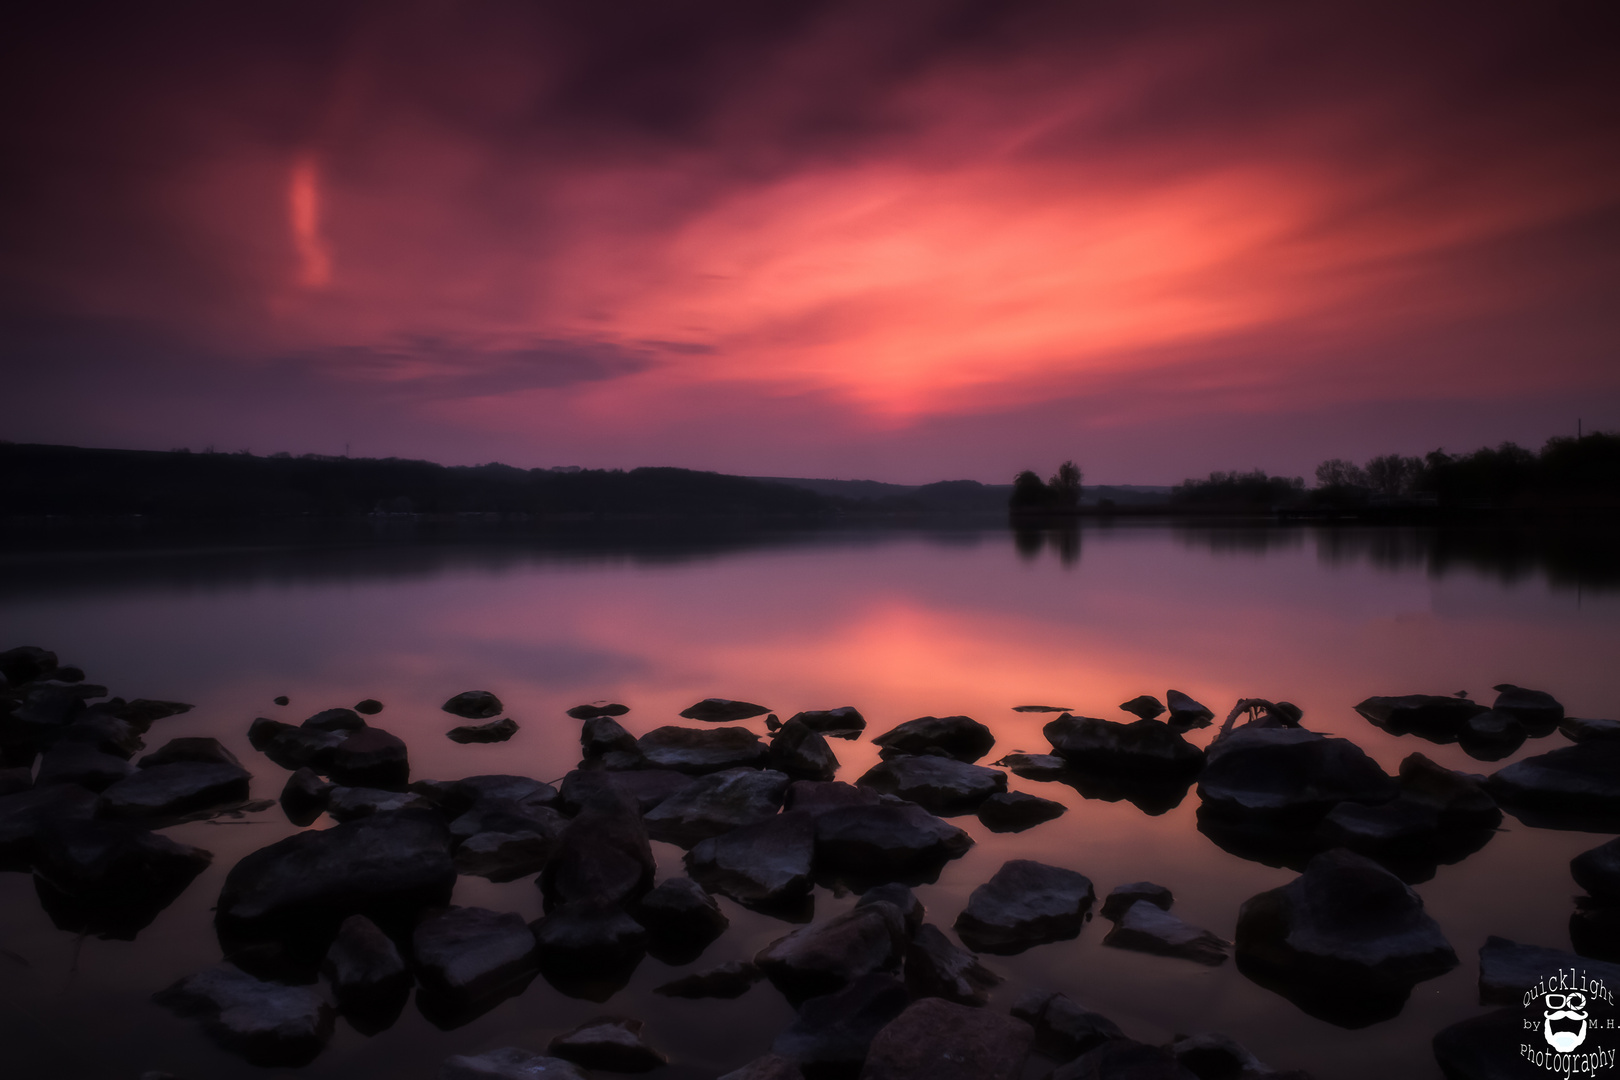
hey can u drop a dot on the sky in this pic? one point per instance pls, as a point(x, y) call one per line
point(884, 239)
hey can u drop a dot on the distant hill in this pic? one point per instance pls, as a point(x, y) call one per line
point(960, 496)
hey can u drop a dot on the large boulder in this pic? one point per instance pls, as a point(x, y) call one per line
point(826, 956)
point(603, 856)
point(471, 790)
point(959, 737)
point(1121, 899)
point(765, 863)
point(937, 968)
point(816, 797)
point(1598, 871)
point(294, 747)
point(368, 976)
point(722, 710)
point(387, 867)
point(935, 1039)
point(469, 959)
point(304, 796)
point(588, 950)
point(1509, 970)
point(1458, 800)
point(832, 1032)
point(370, 757)
point(716, 804)
point(110, 878)
point(508, 1063)
point(801, 752)
point(646, 788)
point(609, 1043)
point(81, 764)
point(1431, 716)
point(473, 705)
point(1286, 774)
point(1345, 941)
point(877, 844)
point(844, 721)
point(1146, 927)
point(1571, 787)
point(504, 856)
point(193, 748)
point(938, 784)
point(1537, 710)
point(1025, 903)
point(170, 791)
point(25, 814)
point(681, 920)
point(267, 1023)
point(1064, 1030)
point(691, 750)
point(1144, 749)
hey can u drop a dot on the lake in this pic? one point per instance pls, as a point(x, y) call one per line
point(898, 622)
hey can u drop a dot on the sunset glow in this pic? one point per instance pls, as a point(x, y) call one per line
point(304, 215)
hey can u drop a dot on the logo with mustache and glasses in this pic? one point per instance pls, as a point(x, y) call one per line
point(1568, 1032)
point(1568, 1011)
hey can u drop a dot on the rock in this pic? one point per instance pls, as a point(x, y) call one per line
point(726, 981)
point(843, 720)
point(143, 712)
point(1144, 749)
point(508, 816)
point(880, 844)
point(1484, 1047)
point(765, 863)
point(1345, 941)
point(716, 804)
point(504, 856)
point(1213, 1054)
point(508, 1063)
point(644, 787)
point(826, 956)
point(1035, 766)
point(265, 1022)
point(1288, 774)
point(1120, 900)
point(1042, 708)
point(109, 878)
point(473, 957)
point(24, 815)
point(294, 747)
point(26, 663)
point(304, 797)
point(722, 710)
point(904, 900)
point(168, 791)
point(1536, 709)
point(371, 757)
point(773, 722)
point(1491, 736)
point(1578, 730)
point(612, 1043)
point(1185, 712)
point(592, 712)
point(283, 699)
point(937, 968)
point(769, 1067)
point(799, 751)
point(1015, 811)
point(1598, 871)
point(387, 867)
point(938, 784)
point(473, 705)
point(350, 803)
point(816, 797)
point(601, 735)
point(494, 731)
point(1508, 970)
point(589, 950)
point(15, 781)
point(106, 733)
point(368, 707)
point(831, 1034)
point(81, 764)
point(205, 751)
point(1146, 706)
point(368, 976)
point(1025, 903)
point(1146, 927)
point(1459, 801)
point(959, 737)
point(1563, 788)
point(1435, 717)
point(1124, 1059)
point(935, 1039)
point(603, 856)
point(337, 720)
point(690, 750)
point(1063, 1030)
point(1594, 929)
point(681, 919)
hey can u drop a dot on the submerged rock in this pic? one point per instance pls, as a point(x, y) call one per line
point(1145, 748)
point(721, 710)
point(611, 1043)
point(1288, 774)
point(938, 784)
point(473, 958)
point(1063, 1030)
point(368, 976)
point(936, 1039)
point(595, 710)
point(474, 705)
point(826, 956)
point(844, 719)
point(937, 968)
point(167, 791)
point(879, 844)
point(716, 804)
point(508, 1063)
point(1146, 707)
point(1025, 903)
point(726, 981)
point(492, 732)
point(799, 751)
point(267, 1023)
point(1146, 927)
point(832, 1032)
point(1120, 900)
point(959, 737)
point(768, 862)
point(691, 750)
point(1015, 811)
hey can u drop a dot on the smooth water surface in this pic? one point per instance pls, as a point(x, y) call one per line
point(899, 624)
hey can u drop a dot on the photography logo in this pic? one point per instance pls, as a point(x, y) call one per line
point(1568, 1024)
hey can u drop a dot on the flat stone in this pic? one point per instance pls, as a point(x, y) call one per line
point(769, 1067)
point(81, 764)
point(1288, 774)
point(887, 843)
point(508, 1063)
point(644, 787)
point(1146, 927)
point(603, 856)
point(1035, 766)
point(1026, 903)
point(166, 791)
point(691, 750)
point(716, 804)
point(938, 784)
point(816, 797)
point(768, 862)
point(1536, 708)
point(1577, 729)
point(722, 710)
point(832, 1032)
point(1433, 716)
point(110, 878)
point(726, 981)
point(199, 749)
point(1574, 780)
point(844, 719)
point(800, 751)
point(1145, 707)
point(595, 710)
point(611, 1043)
point(337, 720)
point(826, 956)
point(474, 705)
point(471, 790)
point(267, 1023)
point(350, 803)
point(1507, 969)
point(959, 737)
point(1064, 1030)
point(471, 953)
point(504, 856)
point(371, 757)
point(1142, 749)
point(304, 797)
point(368, 707)
point(492, 732)
point(1185, 712)
point(1015, 811)
point(935, 1039)
point(1120, 900)
point(937, 968)
point(602, 734)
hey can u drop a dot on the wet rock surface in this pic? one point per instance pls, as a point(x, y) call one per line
point(473, 705)
point(1146, 927)
point(723, 710)
point(602, 734)
point(726, 981)
point(1026, 903)
point(368, 976)
point(505, 856)
point(351, 803)
point(304, 797)
point(646, 788)
point(110, 878)
point(1119, 901)
point(611, 1043)
point(337, 720)
point(1063, 1030)
point(267, 1023)
point(602, 857)
point(826, 956)
point(768, 862)
point(1507, 969)
point(81, 764)
point(589, 950)
point(940, 785)
point(1035, 766)
point(168, 791)
point(801, 752)
point(370, 757)
point(935, 1039)
point(878, 844)
point(508, 1063)
point(1145, 748)
point(1124, 1059)
point(934, 967)
point(832, 1033)
point(1015, 811)
point(1564, 788)
point(203, 750)
point(716, 804)
point(959, 737)
point(844, 719)
point(690, 750)
point(470, 959)
point(1288, 773)
point(681, 918)
point(25, 815)
point(1186, 713)
point(492, 732)
point(597, 709)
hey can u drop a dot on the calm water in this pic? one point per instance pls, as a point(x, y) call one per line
point(899, 624)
